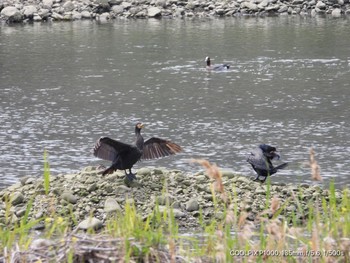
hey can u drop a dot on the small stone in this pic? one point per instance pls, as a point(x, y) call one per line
point(29, 10)
point(69, 6)
point(69, 197)
point(47, 4)
point(20, 212)
point(85, 15)
point(118, 9)
point(242, 179)
point(17, 198)
point(192, 205)
point(178, 213)
point(41, 244)
point(88, 223)
point(111, 205)
point(321, 5)
point(227, 173)
point(251, 6)
point(336, 12)
point(165, 199)
point(260, 190)
point(92, 187)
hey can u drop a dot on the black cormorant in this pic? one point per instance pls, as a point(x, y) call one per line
point(218, 67)
point(124, 156)
point(261, 158)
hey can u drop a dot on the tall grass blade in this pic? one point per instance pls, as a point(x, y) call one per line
point(46, 174)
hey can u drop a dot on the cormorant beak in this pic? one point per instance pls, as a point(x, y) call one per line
point(276, 156)
point(141, 125)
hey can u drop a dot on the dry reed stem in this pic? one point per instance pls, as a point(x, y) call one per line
point(96, 248)
point(315, 168)
point(214, 173)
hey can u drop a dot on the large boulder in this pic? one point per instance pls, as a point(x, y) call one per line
point(11, 14)
point(47, 4)
point(29, 11)
point(154, 12)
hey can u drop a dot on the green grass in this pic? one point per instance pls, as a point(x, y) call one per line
point(46, 174)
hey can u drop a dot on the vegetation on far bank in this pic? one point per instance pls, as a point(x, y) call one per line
point(228, 235)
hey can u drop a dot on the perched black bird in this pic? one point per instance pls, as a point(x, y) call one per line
point(124, 156)
point(261, 158)
point(218, 67)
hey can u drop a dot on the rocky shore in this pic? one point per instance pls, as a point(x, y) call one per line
point(92, 198)
point(54, 10)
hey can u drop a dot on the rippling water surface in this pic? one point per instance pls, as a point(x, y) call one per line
point(63, 85)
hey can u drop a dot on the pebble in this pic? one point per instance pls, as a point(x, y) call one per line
point(192, 205)
point(69, 197)
point(88, 223)
point(17, 198)
point(111, 205)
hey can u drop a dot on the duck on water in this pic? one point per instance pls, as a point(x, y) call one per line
point(217, 67)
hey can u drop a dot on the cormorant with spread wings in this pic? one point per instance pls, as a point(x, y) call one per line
point(124, 156)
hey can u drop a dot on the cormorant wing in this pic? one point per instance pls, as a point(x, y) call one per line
point(155, 148)
point(108, 149)
point(259, 161)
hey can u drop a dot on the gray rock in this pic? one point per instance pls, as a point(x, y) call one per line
point(126, 5)
point(88, 223)
point(192, 205)
point(118, 9)
point(28, 11)
point(242, 179)
point(320, 5)
point(111, 205)
point(177, 212)
point(154, 12)
point(85, 15)
point(260, 190)
point(163, 200)
point(161, 3)
point(56, 16)
point(20, 212)
point(68, 6)
point(12, 14)
point(92, 187)
point(227, 173)
point(41, 244)
point(76, 15)
point(220, 11)
point(17, 198)
point(336, 12)
point(47, 4)
point(251, 6)
point(69, 197)
point(283, 9)
point(122, 189)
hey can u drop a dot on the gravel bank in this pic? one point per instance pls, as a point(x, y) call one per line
point(103, 10)
point(87, 194)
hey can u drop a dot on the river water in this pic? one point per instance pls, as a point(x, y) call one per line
point(63, 85)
